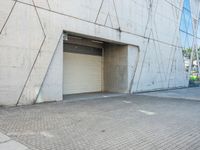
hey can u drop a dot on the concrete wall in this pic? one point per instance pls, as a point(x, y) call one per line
point(52, 86)
point(133, 60)
point(120, 64)
point(30, 31)
point(116, 68)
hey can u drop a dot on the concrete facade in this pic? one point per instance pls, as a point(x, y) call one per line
point(116, 68)
point(120, 63)
point(31, 39)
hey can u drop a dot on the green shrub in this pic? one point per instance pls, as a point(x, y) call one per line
point(194, 78)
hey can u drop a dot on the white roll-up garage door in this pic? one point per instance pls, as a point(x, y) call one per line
point(82, 70)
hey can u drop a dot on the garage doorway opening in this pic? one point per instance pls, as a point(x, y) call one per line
point(93, 66)
point(82, 66)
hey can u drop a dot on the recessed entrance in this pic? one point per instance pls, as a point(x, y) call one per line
point(91, 66)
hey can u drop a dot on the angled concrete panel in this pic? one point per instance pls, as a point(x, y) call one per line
point(19, 42)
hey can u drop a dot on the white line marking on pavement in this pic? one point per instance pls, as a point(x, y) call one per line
point(127, 102)
point(147, 112)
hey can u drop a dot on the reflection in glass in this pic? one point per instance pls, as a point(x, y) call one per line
point(187, 37)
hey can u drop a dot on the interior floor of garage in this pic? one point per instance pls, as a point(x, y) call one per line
point(87, 96)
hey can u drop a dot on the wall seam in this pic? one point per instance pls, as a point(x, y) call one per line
point(117, 30)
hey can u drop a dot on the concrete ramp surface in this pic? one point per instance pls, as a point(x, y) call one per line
point(186, 93)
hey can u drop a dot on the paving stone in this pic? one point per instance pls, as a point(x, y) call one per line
point(3, 138)
point(117, 123)
point(185, 93)
point(12, 145)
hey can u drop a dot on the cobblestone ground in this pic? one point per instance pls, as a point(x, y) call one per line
point(120, 123)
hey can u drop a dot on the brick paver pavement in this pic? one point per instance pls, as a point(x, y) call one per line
point(120, 123)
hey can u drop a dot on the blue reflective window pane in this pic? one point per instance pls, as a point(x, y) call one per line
point(187, 16)
point(186, 44)
point(190, 41)
point(182, 24)
point(186, 26)
point(190, 27)
point(198, 31)
point(198, 42)
point(186, 4)
point(183, 37)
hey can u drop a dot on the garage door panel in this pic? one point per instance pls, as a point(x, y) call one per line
point(82, 73)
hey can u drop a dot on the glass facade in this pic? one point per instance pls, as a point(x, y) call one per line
point(186, 30)
point(190, 37)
